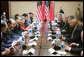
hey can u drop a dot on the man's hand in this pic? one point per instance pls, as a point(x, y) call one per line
point(63, 38)
point(63, 30)
point(73, 44)
point(60, 36)
point(25, 34)
point(82, 53)
point(6, 52)
point(67, 48)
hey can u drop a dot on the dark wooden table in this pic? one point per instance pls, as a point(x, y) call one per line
point(43, 44)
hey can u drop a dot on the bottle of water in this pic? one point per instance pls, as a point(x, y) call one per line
point(22, 35)
point(20, 48)
point(62, 46)
point(30, 32)
point(52, 26)
point(57, 35)
point(23, 40)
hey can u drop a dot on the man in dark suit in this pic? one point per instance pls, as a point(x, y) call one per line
point(5, 48)
point(61, 10)
point(60, 21)
point(75, 37)
point(30, 17)
point(26, 20)
point(66, 30)
point(75, 48)
point(17, 30)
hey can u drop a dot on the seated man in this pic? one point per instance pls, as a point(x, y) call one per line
point(76, 48)
point(26, 20)
point(75, 37)
point(9, 36)
point(30, 18)
point(67, 30)
point(16, 16)
point(60, 21)
point(5, 48)
point(70, 18)
point(22, 25)
point(17, 30)
point(66, 24)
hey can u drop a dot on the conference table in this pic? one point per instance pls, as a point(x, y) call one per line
point(43, 45)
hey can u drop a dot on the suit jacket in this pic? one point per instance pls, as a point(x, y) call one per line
point(61, 11)
point(77, 49)
point(9, 36)
point(68, 30)
point(27, 23)
point(30, 20)
point(3, 45)
point(61, 24)
point(76, 35)
point(17, 30)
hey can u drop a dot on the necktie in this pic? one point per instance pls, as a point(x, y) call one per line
point(73, 32)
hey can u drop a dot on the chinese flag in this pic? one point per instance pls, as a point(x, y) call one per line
point(52, 11)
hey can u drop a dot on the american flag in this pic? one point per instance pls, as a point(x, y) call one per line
point(47, 10)
point(39, 14)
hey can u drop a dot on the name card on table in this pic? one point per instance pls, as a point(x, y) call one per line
point(35, 38)
point(49, 34)
point(31, 51)
point(38, 35)
point(25, 52)
point(52, 51)
point(49, 38)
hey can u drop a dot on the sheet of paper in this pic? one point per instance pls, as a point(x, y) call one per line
point(38, 32)
point(25, 52)
point(32, 50)
point(31, 40)
point(30, 44)
point(34, 43)
point(61, 52)
point(51, 50)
